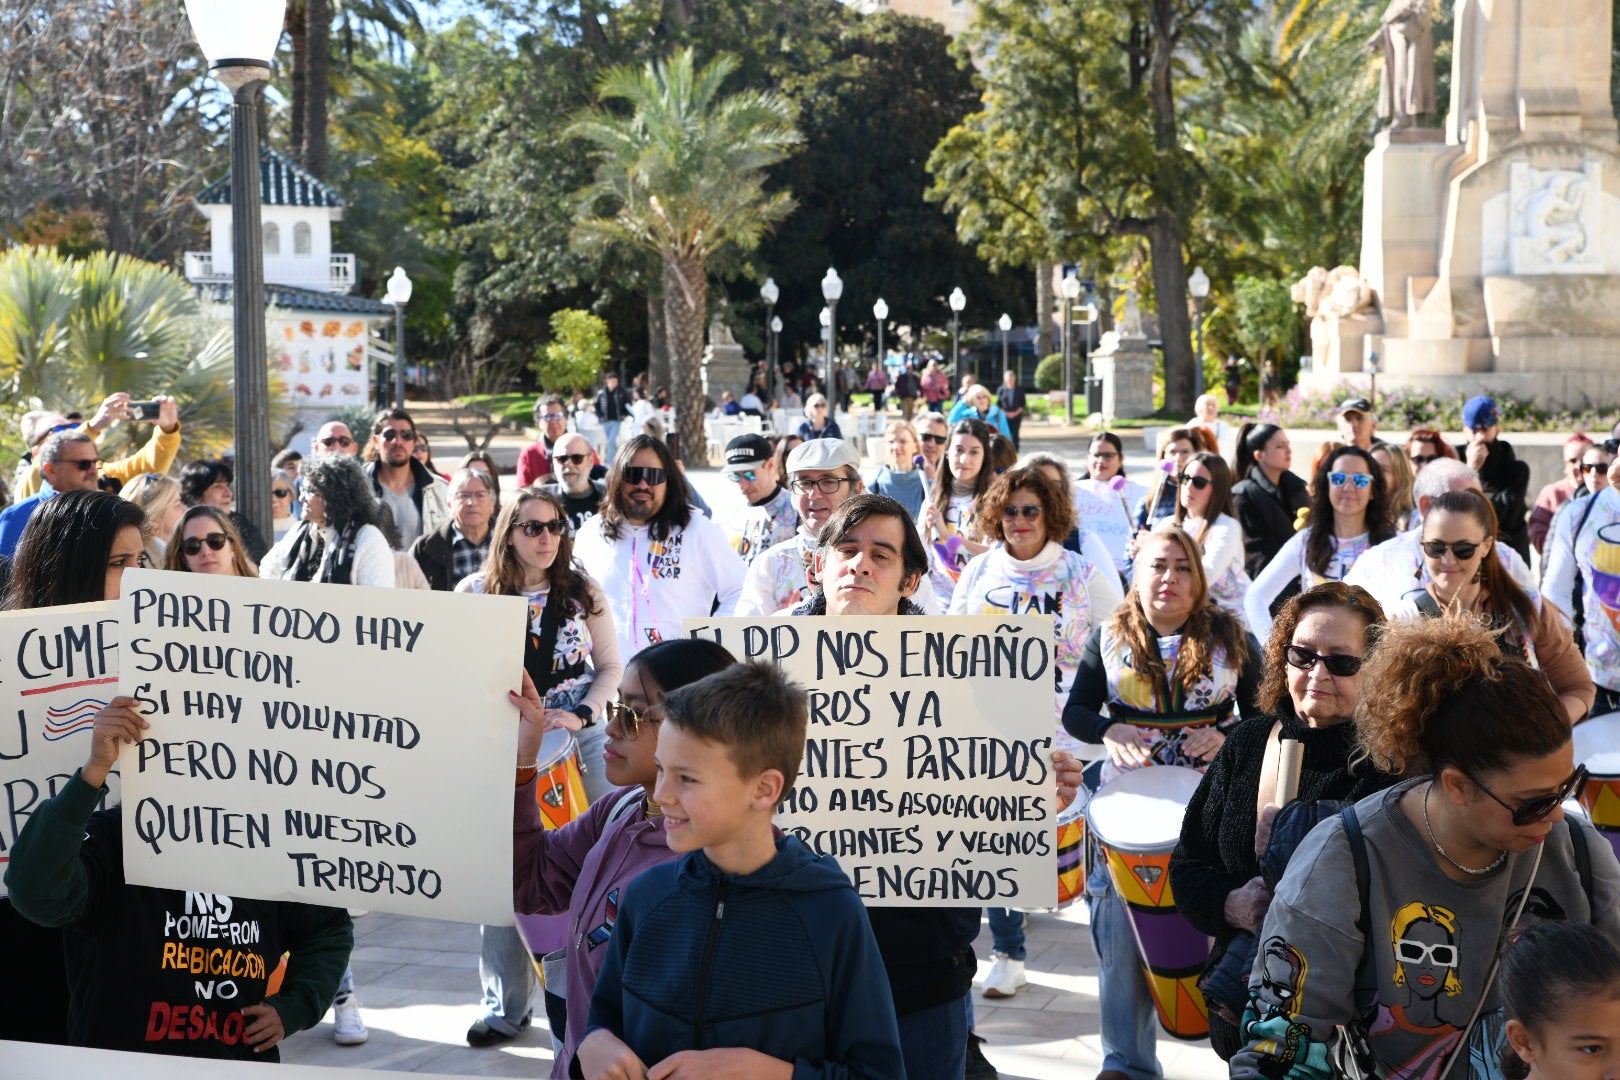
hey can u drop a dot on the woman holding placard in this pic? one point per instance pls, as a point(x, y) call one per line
point(579, 869)
point(571, 656)
point(1310, 690)
point(205, 542)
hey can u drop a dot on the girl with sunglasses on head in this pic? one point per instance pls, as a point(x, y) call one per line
point(571, 670)
point(1406, 895)
point(1204, 510)
point(1465, 573)
point(205, 542)
point(580, 869)
point(1349, 514)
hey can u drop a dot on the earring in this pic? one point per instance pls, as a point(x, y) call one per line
point(1479, 572)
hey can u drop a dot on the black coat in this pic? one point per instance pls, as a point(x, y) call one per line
point(433, 554)
point(1506, 479)
point(1266, 511)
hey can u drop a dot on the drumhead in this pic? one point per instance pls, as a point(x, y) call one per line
point(556, 746)
point(1076, 810)
point(1597, 745)
point(1142, 810)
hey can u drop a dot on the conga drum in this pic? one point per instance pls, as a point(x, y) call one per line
point(1071, 850)
point(1135, 821)
point(561, 790)
point(1597, 746)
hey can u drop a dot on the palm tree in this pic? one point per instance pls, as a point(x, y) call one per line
point(682, 176)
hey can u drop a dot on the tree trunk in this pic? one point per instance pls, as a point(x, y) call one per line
point(296, 26)
point(657, 341)
point(686, 302)
point(1173, 187)
point(317, 80)
point(1046, 307)
point(1175, 328)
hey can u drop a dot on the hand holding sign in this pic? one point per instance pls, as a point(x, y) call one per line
point(120, 722)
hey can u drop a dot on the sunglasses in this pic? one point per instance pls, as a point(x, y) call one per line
point(1028, 513)
point(337, 440)
point(827, 485)
point(1421, 460)
point(937, 440)
point(1463, 549)
point(572, 459)
point(1338, 664)
point(1594, 466)
point(85, 465)
point(1439, 954)
point(1340, 479)
point(1199, 483)
point(191, 545)
point(401, 434)
point(644, 474)
point(1533, 810)
point(550, 416)
point(628, 720)
point(280, 493)
point(532, 529)
point(738, 477)
point(1110, 456)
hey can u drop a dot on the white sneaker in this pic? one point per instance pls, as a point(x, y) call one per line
point(1006, 976)
point(350, 1030)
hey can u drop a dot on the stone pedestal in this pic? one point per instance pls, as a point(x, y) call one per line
point(725, 367)
point(1125, 366)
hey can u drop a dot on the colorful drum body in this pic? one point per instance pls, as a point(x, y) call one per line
point(1135, 821)
point(1597, 746)
point(561, 788)
point(1071, 850)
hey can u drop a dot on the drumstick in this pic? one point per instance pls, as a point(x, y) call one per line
point(1290, 756)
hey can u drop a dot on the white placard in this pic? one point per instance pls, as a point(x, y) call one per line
point(330, 744)
point(927, 771)
point(58, 667)
point(1107, 518)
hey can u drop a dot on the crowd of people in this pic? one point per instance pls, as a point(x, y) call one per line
point(1401, 621)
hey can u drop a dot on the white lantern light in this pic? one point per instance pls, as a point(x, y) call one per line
point(237, 33)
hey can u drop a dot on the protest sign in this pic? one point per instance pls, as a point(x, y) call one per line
point(322, 743)
point(1102, 511)
point(927, 771)
point(58, 667)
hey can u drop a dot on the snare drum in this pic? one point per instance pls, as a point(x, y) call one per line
point(561, 790)
point(1597, 746)
point(1071, 850)
point(1135, 821)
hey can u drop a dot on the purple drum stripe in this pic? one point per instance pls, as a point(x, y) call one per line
point(1171, 947)
point(1068, 860)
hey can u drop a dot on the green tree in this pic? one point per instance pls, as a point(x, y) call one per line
point(1264, 318)
point(682, 176)
point(578, 349)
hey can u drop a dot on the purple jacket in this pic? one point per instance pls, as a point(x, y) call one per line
point(579, 870)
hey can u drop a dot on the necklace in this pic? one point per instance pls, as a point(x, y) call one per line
point(1500, 859)
point(654, 810)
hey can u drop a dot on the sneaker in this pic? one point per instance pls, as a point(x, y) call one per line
point(1006, 976)
point(347, 1027)
point(978, 1066)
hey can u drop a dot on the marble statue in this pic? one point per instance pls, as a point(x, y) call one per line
point(720, 331)
point(1406, 38)
point(1554, 219)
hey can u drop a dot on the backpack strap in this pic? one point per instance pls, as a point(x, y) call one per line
point(1358, 853)
point(1577, 600)
point(1583, 859)
point(1427, 605)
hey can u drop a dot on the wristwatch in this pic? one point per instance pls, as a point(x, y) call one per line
point(584, 713)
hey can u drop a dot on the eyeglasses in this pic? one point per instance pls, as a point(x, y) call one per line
point(1029, 512)
point(1439, 954)
point(644, 474)
point(572, 459)
point(1339, 479)
point(738, 477)
point(1338, 664)
point(1533, 810)
point(1594, 466)
point(532, 529)
point(281, 493)
point(1421, 460)
point(390, 434)
point(337, 440)
point(937, 440)
point(82, 464)
point(1199, 483)
point(550, 416)
point(471, 496)
point(827, 485)
point(191, 545)
point(1463, 549)
point(629, 721)
point(1109, 456)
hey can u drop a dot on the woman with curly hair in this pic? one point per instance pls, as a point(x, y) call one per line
point(1309, 692)
point(1349, 514)
point(1435, 869)
point(340, 540)
point(205, 542)
point(1170, 668)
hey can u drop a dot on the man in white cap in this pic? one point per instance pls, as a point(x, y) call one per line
point(823, 474)
point(1358, 424)
point(770, 517)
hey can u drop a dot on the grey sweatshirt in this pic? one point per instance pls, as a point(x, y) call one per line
point(1304, 978)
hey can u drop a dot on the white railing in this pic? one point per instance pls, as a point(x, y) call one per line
point(340, 276)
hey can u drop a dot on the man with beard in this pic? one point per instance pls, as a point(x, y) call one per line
point(418, 500)
point(572, 461)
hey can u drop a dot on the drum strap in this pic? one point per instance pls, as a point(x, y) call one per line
point(1268, 769)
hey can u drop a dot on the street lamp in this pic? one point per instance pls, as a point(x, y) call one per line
point(769, 293)
point(1005, 322)
point(832, 287)
point(1070, 288)
point(1198, 286)
point(958, 301)
point(825, 318)
point(238, 38)
point(399, 294)
point(1088, 317)
point(880, 311)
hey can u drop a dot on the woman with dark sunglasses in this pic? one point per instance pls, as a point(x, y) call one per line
point(1309, 692)
point(1466, 573)
point(579, 869)
point(206, 542)
point(1476, 843)
point(1204, 510)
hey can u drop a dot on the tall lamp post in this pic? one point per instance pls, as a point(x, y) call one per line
point(958, 301)
point(826, 351)
point(769, 293)
point(1005, 323)
point(1198, 286)
point(239, 38)
point(776, 348)
point(832, 287)
point(880, 312)
point(399, 294)
point(1070, 288)
point(1088, 317)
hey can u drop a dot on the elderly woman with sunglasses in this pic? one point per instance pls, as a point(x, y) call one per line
point(1465, 572)
point(205, 542)
point(1384, 928)
point(579, 869)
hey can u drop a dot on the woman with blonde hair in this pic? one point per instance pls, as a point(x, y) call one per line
point(159, 495)
point(1398, 478)
point(899, 476)
point(818, 424)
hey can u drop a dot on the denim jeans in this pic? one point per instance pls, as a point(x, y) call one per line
point(610, 439)
point(1007, 932)
point(933, 1042)
point(506, 971)
point(1129, 1019)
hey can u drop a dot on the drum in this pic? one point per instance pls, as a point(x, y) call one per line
point(1135, 821)
point(1071, 850)
point(1597, 746)
point(561, 790)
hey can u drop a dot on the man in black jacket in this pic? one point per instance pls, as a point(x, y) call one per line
point(612, 407)
point(1505, 477)
point(458, 548)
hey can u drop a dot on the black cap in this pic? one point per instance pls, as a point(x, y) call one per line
point(746, 450)
point(1356, 404)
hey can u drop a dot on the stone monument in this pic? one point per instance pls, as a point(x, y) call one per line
point(725, 365)
point(1493, 246)
point(1124, 361)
